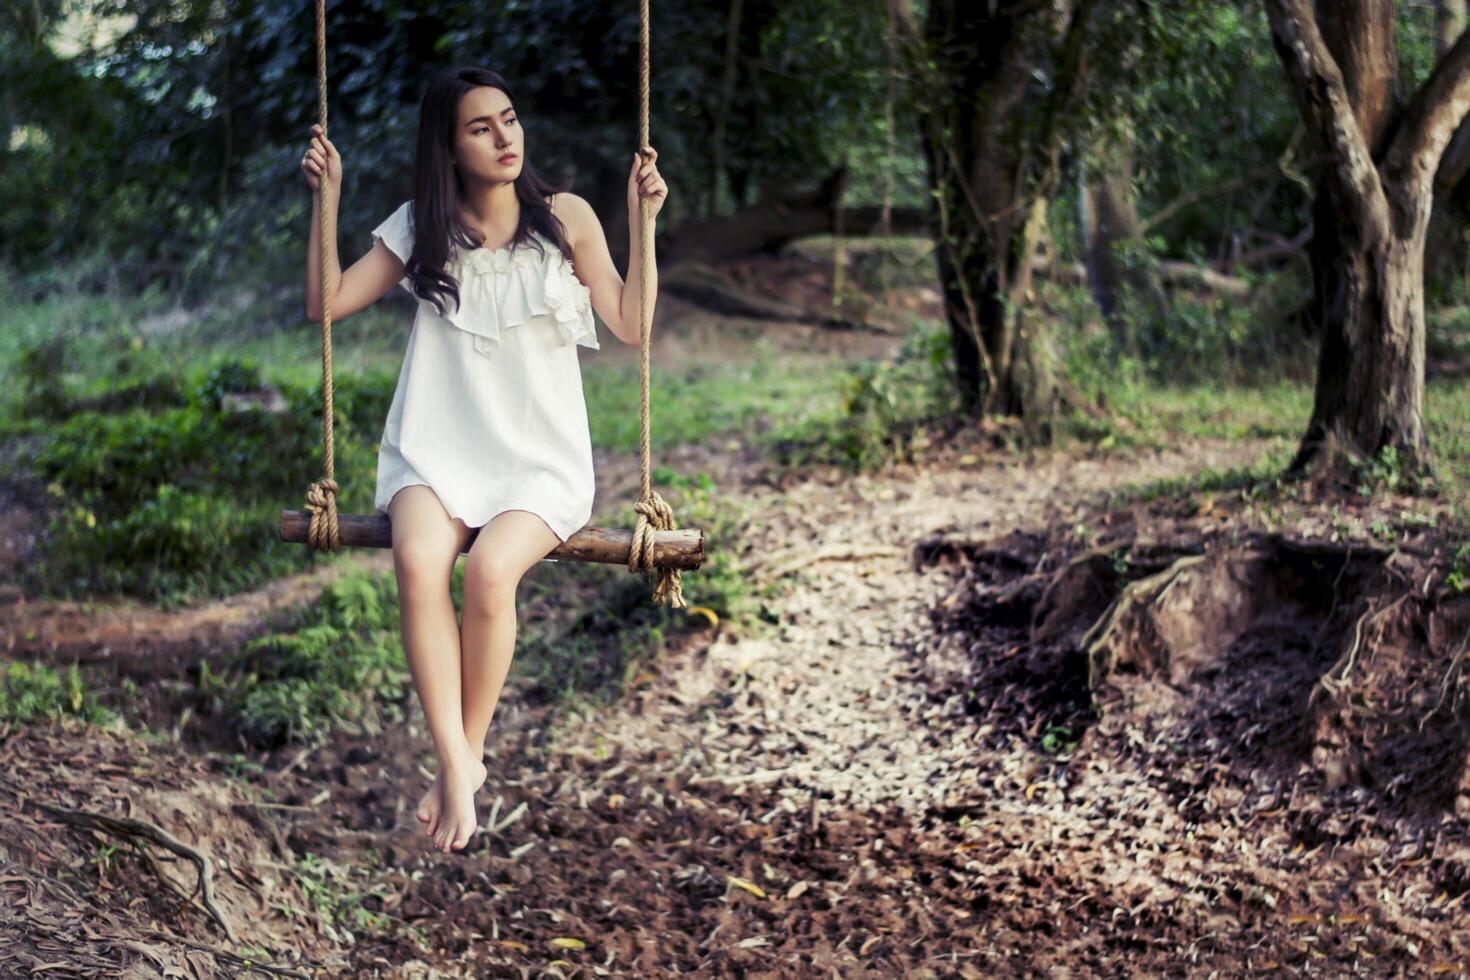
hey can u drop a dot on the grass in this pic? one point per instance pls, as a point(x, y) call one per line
point(40, 692)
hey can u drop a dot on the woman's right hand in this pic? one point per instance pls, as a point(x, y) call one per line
point(322, 156)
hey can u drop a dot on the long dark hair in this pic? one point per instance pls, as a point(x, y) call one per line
point(438, 189)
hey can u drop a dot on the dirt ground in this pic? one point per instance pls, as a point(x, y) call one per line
point(938, 764)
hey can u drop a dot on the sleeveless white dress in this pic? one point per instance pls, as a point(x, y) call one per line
point(489, 411)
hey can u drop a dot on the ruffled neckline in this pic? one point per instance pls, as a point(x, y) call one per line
point(504, 287)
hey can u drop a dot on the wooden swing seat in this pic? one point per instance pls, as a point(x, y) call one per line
point(681, 548)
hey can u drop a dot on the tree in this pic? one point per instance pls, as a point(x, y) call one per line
point(1370, 217)
point(992, 150)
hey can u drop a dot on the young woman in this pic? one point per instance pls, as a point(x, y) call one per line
point(488, 426)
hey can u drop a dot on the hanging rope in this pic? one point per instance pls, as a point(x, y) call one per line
point(323, 533)
point(653, 513)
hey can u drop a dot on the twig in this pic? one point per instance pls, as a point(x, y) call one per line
point(1444, 684)
point(299, 758)
point(833, 552)
point(224, 954)
point(131, 829)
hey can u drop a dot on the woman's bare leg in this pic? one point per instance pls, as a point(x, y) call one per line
point(426, 544)
point(506, 549)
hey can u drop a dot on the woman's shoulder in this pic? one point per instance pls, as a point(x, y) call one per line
point(574, 212)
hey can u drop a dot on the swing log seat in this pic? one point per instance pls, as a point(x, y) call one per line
point(681, 548)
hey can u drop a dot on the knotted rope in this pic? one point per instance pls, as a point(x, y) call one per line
point(654, 514)
point(322, 532)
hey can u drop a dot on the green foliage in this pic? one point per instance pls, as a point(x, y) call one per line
point(885, 411)
point(32, 692)
point(1193, 340)
point(340, 667)
point(196, 118)
point(167, 494)
point(1387, 471)
point(328, 886)
point(1459, 574)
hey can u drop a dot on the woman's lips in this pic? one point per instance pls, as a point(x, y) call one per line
point(508, 158)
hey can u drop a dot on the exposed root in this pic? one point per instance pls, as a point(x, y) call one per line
point(134, 830)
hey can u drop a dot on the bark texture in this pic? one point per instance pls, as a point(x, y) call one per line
point(992, 157)
point(1370, 215)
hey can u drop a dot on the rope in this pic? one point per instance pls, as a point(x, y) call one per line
point(323, 532)
point(654, 514)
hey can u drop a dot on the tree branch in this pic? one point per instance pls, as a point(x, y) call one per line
point(1431, 120)
point(1321, 95)
point(1204, 193)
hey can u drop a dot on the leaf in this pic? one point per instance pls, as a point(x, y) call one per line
point(749, 886)
point(568, 942)
point(707, 613)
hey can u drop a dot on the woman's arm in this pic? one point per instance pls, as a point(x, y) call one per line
point(614, 299)
point(371, 276)
point(593, 264)
point(365, 282)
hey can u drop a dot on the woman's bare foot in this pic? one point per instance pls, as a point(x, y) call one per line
point(428, 811)
point(433, 800)
point(457, 782)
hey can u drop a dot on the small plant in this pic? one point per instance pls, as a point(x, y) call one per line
point(341, 668)
point(32, 692)
point(886, 408)
point(1384, 471)
point(1459, 576)
point(1058, 738)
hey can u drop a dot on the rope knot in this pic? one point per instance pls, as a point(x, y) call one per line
point(654, 514)
point(322, 531)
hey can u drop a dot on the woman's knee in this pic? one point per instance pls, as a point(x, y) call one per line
point(490, 582)
point(423, 564)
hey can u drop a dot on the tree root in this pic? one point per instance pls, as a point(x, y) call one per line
point(1136, 595)
point(134, 830)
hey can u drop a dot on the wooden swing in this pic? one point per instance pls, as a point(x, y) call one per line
point(653, 545)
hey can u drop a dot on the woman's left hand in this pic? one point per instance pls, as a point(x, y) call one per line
point(644, 180)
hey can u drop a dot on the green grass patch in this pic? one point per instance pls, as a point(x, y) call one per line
point(883, 411)
point(38, 692)
point(739, 398)
point(161, 490)
point(338, 667)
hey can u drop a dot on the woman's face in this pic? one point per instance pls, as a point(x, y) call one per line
point(487, 132)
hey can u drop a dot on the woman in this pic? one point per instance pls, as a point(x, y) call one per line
point(488, 426)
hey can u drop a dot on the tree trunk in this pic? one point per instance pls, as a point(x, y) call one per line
point(1110, 228)
point(1368, 299)
point(727, 93)
point(973, 64)
point(1370, 216)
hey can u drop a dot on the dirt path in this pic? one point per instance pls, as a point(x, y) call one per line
point(823, 801)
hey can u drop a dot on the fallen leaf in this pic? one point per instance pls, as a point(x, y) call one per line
point(707, 613)
point(749, 886)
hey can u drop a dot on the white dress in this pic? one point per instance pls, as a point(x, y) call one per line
point(489, 411)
